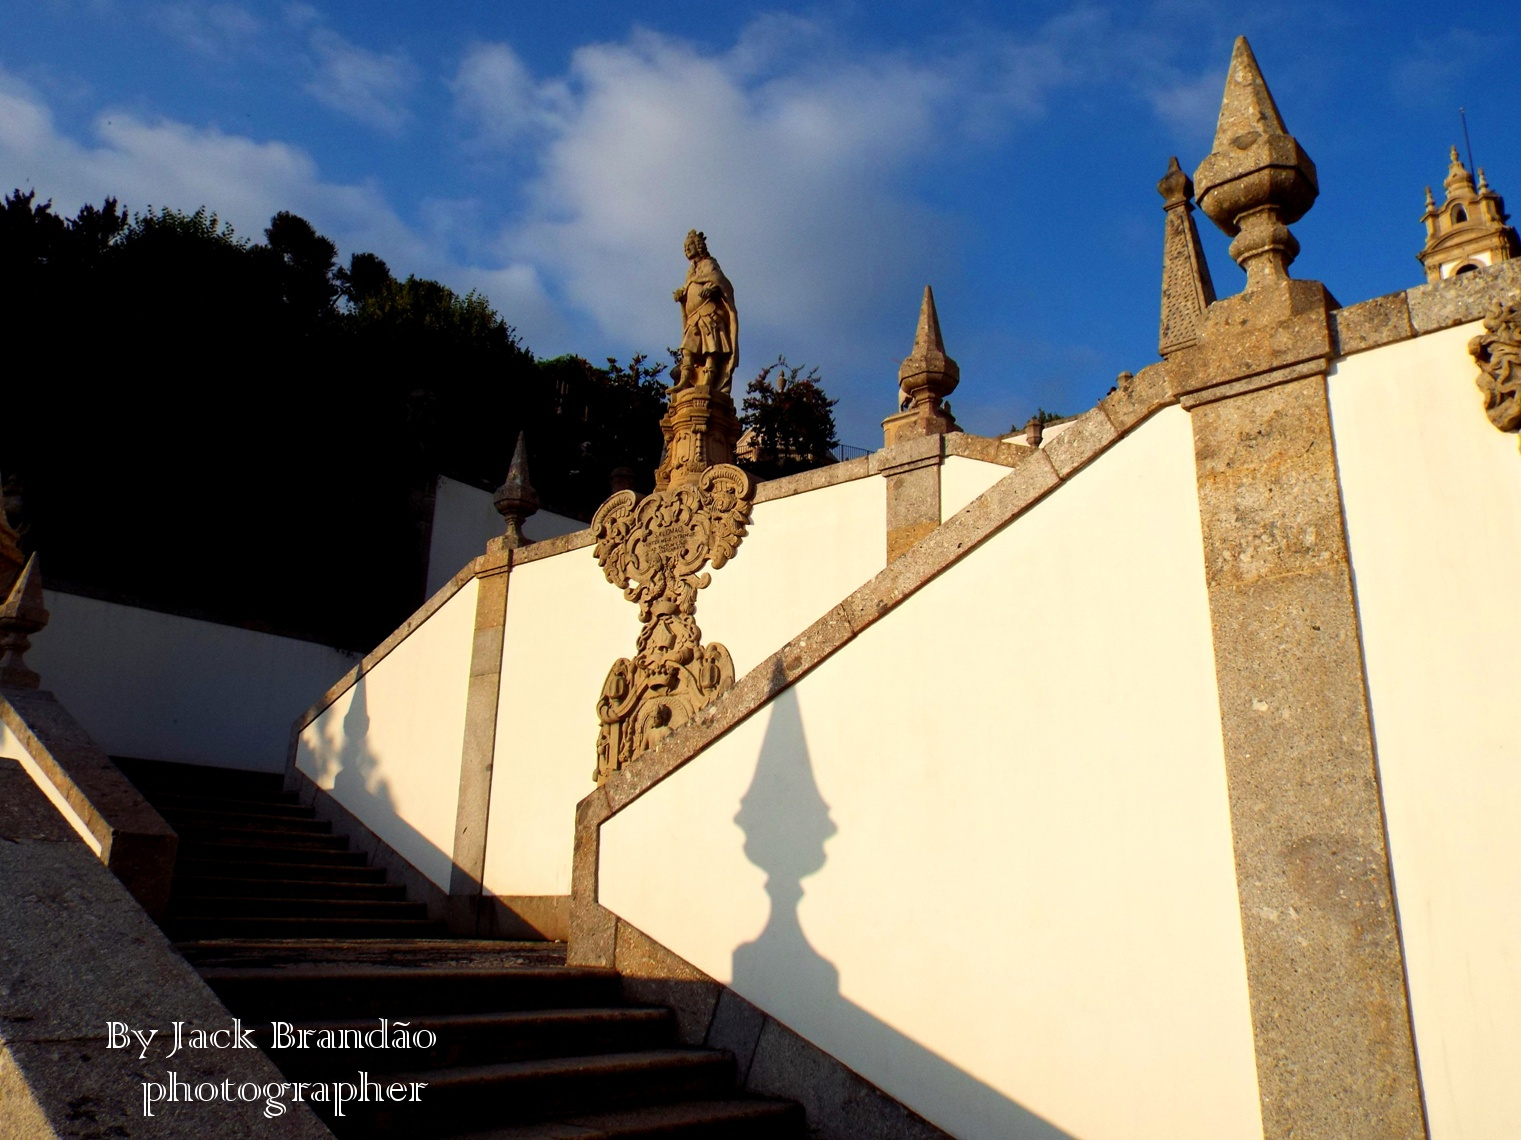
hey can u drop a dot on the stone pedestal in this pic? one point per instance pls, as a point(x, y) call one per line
point(917, 422)
point(700, 430)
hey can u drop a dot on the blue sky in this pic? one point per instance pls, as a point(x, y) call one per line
point(838, 155)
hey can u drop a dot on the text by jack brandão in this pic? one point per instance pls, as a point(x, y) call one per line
point(276, 1095)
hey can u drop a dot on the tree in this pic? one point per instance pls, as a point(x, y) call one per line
point(791, 418)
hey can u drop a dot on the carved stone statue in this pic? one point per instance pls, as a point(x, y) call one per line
point(700, 427)
point(1497, 351)
point(654, 550)
point(709, 322)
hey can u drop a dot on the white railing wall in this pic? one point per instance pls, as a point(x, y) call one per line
point(982, 853)
point(1433, 505)
point(388, 747)
point(566, 625)
point(163, 687)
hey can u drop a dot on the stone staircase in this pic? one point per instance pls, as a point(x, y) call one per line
point(285, 924)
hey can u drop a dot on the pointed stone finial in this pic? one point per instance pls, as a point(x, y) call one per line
point(516, 499)
point(925, 379)
point(11, 558)
point(21, 615)
point(1186, 286)
point(1257, 180)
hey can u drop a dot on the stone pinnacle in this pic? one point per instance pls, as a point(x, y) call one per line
point(1258, 179)
point(927, 366)
point(516, 499)
point(1247, 105)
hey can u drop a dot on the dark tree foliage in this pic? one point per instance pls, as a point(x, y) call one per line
point(792, 418)
point(252, 431)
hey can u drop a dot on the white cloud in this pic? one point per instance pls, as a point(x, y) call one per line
point(369, 86)
point(495, 91)
point(244, 181)
point(803, 158)
point(791, 166)
point(214, 30)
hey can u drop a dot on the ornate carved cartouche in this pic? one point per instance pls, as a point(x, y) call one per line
point(1497, 351)
point(654, 550)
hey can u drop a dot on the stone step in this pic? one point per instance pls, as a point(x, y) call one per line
point(162, 777)
point(478, 1038)
point(228, 888)
point(477, 1096)
point(286, 805)
point(260, 835)
point(313, 992)
point(225, 860)
point(736, 1119)
point(212, 823)
point(460, 953)
point(211, 907)
point(189, 928)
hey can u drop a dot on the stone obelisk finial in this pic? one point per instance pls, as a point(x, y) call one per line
point(1257, 180)
point(925, 379)
point(516, 499)
point(21, 615)
point(1186, 286)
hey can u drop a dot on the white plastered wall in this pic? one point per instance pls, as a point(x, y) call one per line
point(566, 625)
point(389, 749)
point(1020, 914)
point(162, 687)
point(963, 479)
point(1433, 502)
point(804, 553)
point(465, 518)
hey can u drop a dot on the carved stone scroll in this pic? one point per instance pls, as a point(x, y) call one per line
point(1497, 351)
point(654, 550)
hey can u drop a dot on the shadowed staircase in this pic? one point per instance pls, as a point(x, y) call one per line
point(285, 923)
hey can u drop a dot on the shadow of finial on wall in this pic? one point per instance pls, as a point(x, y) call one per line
point(786, 824)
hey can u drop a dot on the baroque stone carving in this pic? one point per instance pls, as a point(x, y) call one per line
point(1497, 351)
point(654, 550)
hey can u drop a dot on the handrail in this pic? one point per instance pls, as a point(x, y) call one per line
point(101, 804)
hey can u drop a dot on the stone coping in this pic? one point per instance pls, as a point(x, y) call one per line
point(1034, 474)
point(1423, 309)
point(135, 842)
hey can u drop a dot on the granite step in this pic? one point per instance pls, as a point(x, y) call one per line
point(525, 1091)
point(302, 953)
point(311, 992)
point(285, 805)
point(184, 928)
point(227, 888)
point(475, 1038)
point(243, 834)
point(337, 907)
point(737, 1119)
point(186, 820)
point(223, 860)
